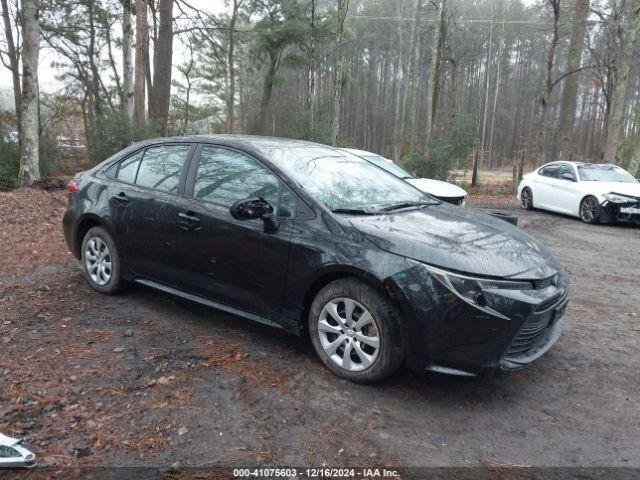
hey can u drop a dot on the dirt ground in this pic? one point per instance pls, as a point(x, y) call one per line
point(144, 378)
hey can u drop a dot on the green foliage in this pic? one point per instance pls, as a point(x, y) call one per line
point(454, 145)
point(113, 133)
point(9, 163)
point(50, 156)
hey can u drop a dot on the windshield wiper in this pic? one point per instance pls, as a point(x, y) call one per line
point(353, 211)
point(399, 206)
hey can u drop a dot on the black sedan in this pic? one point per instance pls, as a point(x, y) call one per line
point(306, 237)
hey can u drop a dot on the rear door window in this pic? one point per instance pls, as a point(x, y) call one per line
point(161, 167)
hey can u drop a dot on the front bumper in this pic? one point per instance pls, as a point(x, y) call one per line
point(449, 335)
point(620, 212)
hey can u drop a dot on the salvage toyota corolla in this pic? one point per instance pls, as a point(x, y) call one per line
point(307, 237)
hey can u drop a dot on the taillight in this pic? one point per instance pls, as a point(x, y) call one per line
point(72, 186)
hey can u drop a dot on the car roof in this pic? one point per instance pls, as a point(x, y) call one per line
point(585, 164)
point(355, 151)
point(256, 144)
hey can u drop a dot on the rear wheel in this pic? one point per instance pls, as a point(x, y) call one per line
point(356, 331)
point(526, 199)
point(101, 261)
point(590, 209)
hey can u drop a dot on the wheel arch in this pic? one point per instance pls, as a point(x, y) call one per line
point(85, 223)
point(330, 274)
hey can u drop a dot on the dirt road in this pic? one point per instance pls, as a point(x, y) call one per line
point(146, 379)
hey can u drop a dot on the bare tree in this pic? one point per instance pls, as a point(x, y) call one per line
point(411, 100)
point(162, 66)
point(620, 71)
point(562, 146)
point(435, 72)
point(14, 62)
point(141, 64)
point(127, 64)
point(545, 98)
point(231, 67)
point(29, 145)
point(343, 7)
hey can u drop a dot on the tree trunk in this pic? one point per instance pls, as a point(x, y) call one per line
point(563, 143)
point(231, 99)
point(14, 63)
point(414, 68)
point(127, 65)
point(162, 67)
point(621, 69)
point(435, 71)
point(142, 50)
point(29, 145)
point(343, 7)
point(545, 98)
point(311, 68)
point(477, 159)
point(267, 90)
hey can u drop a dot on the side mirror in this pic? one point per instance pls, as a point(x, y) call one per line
point(253, 208)
point(568, 176)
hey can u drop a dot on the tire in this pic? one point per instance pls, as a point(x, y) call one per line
point(383, 323)
point(590, 209)
point(99, 248)
point(526, 199)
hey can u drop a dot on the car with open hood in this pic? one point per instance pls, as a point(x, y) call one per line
point(445, 191)
point(595, 193)
point(315, 240)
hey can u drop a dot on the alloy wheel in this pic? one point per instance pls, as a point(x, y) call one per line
point(98, 261)
point(588, 209)
point(525, 199)
point(349, 334)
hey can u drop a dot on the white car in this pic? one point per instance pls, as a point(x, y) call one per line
point(447, 192)
point(13, 453)
point(593, 192)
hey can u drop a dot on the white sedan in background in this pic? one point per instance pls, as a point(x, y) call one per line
point(447, 192)
point(593, 192)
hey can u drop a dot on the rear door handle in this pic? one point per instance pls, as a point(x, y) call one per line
point(120, 199)
point(188, 221)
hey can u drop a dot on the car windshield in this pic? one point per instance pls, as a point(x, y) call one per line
point(344, 181)
point(604, 173)
point(387, 165)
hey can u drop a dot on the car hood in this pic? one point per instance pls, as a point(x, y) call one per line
point(459, 239)
point(603, 188)
point(437, 188)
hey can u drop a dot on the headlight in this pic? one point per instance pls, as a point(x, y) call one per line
point(617, 198)
point(471, 289)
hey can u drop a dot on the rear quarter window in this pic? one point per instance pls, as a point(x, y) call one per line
point(129, 168)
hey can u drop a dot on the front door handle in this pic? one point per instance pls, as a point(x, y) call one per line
point(189, 221)
point(120, 199)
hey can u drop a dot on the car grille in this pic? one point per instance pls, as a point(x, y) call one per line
point(536, 327)
point(545, 282)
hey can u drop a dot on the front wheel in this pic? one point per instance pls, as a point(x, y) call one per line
point(590, 209)
point(356, 331)
point(101, 261)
